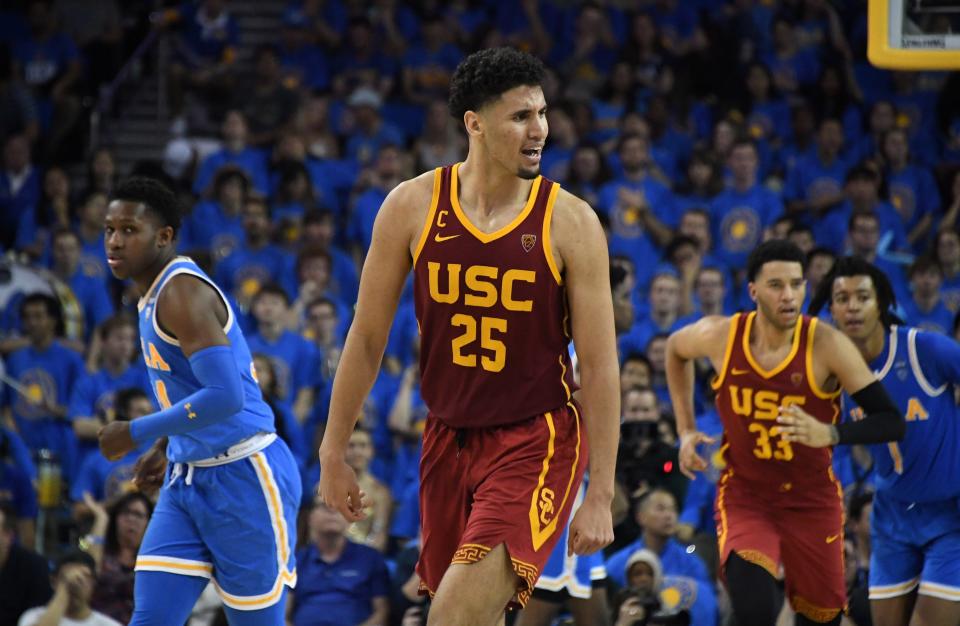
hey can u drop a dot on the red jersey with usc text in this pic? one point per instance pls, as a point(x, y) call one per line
point(749, 400)
point(492, 312)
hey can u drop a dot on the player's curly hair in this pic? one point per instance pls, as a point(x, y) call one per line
point(855, 266)
point(157, 197)
point(484, 75)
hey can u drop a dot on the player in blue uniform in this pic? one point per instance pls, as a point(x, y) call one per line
point(580, 580)
point(915, 564)
point(231, 489)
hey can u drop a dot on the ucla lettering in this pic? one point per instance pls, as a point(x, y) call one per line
point(483, 286)
point(152, 358)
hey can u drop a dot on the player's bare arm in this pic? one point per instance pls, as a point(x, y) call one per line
point(579, 242)
point(706, 338)
point(388, 262)
point(192, 311)
point(837, 361)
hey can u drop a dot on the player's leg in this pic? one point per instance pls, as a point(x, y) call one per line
point(893, 611)
point(476, 593)
point(938, 597)
point(540, 611)
point(246, 513)
point(753, 592)
point(173, 566)
point(812, 548)
point(896, 564)
point(270, 616)
point(162, 598)
point(591, 611)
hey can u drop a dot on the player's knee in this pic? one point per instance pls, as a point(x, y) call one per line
point(753, 592)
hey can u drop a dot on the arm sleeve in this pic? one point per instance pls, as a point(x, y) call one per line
point(220, 397)
point(882, 420)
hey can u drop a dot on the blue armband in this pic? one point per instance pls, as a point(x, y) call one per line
point(220, 397)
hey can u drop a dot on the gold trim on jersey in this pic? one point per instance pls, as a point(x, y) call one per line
point(540, 533)
point(811, 379)
point(563, 377)
point(780, 366)
point(476, 232)
point(760, 558)
point(811, 611)
point(434, 201)
point(721, 506)
point(545, 237)
point(727, 352)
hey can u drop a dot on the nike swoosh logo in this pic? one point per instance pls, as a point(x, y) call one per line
point(737, 372)
point(439, 239)
point(832, 538)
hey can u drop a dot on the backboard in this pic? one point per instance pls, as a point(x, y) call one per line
point(914, 34)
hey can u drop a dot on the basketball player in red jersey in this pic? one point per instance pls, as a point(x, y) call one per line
point(778, 384)
point(505, 264)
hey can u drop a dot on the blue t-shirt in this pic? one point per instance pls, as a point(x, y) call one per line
point(205, 39)
point(914, 194)
point(674, 558)
point(105, 479)
point(251, 160)
point(16, 489)
point(738, 219)
point(307, 65)
point(939, 319)
point(363, 147)
point(92, 295)
point(295, 362)
point(341, 592)
point(43, 62)
point(769, 120)
point(245, 271)
point(210, 229)
point(811, 178)
point(360, 228)
point(14, 206)
point(49, 374)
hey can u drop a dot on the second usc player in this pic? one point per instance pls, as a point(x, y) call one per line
point(779, 377)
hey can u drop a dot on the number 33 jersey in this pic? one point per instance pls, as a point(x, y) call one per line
point(492, 312)
point(749, 400)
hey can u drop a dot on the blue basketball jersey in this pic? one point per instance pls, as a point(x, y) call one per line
point(172, 378)
point(919, 370)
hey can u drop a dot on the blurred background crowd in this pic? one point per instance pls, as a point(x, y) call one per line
point(695, 128)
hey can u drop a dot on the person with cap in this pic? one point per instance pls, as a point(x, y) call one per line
point(369, 131)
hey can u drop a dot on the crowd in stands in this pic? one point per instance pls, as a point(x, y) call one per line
point(695, 128)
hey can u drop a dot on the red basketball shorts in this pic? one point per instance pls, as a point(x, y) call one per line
point(512, 485)
point(800, 528)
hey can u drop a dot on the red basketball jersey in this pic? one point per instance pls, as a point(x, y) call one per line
point(749, 400)
point(492, 312)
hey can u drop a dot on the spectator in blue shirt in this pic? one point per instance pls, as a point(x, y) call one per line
point(205, 52)
point(882, 119)
point(588, 173)
point(315, 281)
point(295, 360)
point(91, 212)
point(361, 62)
point(303, 63)
point(319, 232)
point(815, 185)
point(656, 513)
point(946, 251)
point(19, 188)
point(215, 225)
point(368, 132)
point(50, 66)
point(925, 309)
point(863, 196)
point(53, 210)
point(338, 581)
point(103, 479)
point(428, 66)
point(288, 428)
point(663, 312)
point(744, 209)
point(639, 208)
point(768, 115)
point(45, 372)
point(913, 191)
point(385, 174)
point(89, 288)
point(793, 68)
point(704, 181)
point(255, 261)
point(677, 595)
point(235, 151)
point(93, 398)
point(863, 238)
